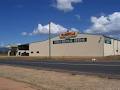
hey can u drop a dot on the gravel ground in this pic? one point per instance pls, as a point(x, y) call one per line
point(50, 80)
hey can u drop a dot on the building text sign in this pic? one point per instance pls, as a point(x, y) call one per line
point(68, 35)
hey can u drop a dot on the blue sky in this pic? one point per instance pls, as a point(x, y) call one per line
point(18, 16)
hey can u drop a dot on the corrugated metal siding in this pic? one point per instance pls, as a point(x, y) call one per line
point(93, 47)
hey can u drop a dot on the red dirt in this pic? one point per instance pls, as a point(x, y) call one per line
point(7, 84)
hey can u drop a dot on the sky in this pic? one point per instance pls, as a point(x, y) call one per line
point(24, 21)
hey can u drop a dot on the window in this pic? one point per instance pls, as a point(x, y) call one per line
point(23, 47)
point(54, 42)
point(31, 51)
point(108, 41)
point(19, 53)
point(37, 51)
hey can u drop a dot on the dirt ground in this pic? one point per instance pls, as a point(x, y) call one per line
point(7, 84)
point(51, 80)
point(29, 58)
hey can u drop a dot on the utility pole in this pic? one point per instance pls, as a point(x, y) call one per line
point(49, 40)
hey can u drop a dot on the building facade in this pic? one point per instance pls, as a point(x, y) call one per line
point(81, 45)
point(72, 45)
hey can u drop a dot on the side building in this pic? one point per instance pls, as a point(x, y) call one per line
point(19, 50)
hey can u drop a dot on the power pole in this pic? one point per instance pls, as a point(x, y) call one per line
point(49, 40)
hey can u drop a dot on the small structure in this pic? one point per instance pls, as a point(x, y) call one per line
point(12, 50)
point(19, 50)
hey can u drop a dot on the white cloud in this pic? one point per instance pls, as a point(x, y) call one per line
point(78, 16)
point(105, 24)
point(24, 33)
point(55, 28)
point(66, 5)
point(18, 44)
point(44, 29)
point(74, 29)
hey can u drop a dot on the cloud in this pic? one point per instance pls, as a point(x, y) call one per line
point(78, 16)
point(106, 24)
point(74, 29)
point(66, 5)
point(44, 29)
point(24, 33)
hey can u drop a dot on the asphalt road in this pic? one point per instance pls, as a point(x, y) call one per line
point(106, 68)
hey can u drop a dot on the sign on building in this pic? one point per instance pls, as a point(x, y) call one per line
point(67, 35)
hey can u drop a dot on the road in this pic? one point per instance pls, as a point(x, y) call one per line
point(106, 68)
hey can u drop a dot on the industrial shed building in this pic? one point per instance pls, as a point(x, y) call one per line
point(76, 46)
point(71, 44)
